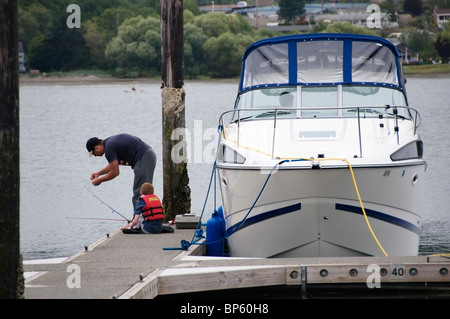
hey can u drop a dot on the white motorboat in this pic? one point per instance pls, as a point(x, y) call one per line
point(321, 155)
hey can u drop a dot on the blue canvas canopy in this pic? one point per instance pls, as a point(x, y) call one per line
point(321, 59)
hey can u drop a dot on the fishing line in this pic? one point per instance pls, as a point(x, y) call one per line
point(94, 218)
point(115, 211)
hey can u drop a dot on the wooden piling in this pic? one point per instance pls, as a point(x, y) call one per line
point(176, 194)
point(11, 274)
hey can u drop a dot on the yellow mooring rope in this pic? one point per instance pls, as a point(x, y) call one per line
point(357, 194)
point(362, 207)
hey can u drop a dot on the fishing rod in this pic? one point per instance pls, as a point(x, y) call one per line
point(115, 211)
point(93, 218)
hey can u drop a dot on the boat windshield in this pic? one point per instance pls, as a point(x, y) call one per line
point(321, 75)
point(319, 101)
point(326, 62)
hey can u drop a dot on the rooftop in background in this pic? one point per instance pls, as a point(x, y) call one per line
point(441, 17)
point(310, 8)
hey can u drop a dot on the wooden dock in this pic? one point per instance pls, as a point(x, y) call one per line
point(156, 266)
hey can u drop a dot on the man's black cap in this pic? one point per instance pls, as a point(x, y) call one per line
point(91, 143)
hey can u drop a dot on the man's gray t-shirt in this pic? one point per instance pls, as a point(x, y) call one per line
point(126, 148)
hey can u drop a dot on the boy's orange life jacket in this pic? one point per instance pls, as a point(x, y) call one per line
point(153, 208)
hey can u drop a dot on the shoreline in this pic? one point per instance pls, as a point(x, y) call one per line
point(427, 75)
point(26, 79)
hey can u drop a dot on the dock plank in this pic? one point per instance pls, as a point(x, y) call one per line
point(147, 266)
point(173, 281)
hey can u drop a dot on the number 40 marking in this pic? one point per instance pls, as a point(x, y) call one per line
point(398, 272)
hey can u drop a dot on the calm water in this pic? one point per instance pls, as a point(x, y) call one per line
point(56, 121)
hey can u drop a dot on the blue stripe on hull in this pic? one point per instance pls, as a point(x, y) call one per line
point(380, 216)
point(347, 208)
point(264, 216)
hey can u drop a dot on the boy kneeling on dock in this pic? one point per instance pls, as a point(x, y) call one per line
point(148, 214)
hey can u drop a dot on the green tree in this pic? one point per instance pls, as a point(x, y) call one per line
point(54, 6)
point(391, 7)
point(45, 21)
point(38, 56)
point(264, 33)
point(33, 21)
point(96, 42)
point(188, 17)
point(238, 24)
point(442, 44)
point(146, 7)
point(194, 55)
point(95, 8)
point(216, 42)
point(422, 44)
point(414, 7)
point(192, 6)
point(136, 50)
point(212, 24)
point(98, 31)
point(60, 48)
point(441, 4)
point(346, 27)
point(290, 10)
point(224, 53)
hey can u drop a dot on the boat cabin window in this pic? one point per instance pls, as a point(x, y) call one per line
point(320, 61)
point(372, 62)
point(267, 65)
point(319, 101)
point(284, 99)
point(319, 98)
point(371, 96)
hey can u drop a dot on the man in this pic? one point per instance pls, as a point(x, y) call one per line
point(123, 149)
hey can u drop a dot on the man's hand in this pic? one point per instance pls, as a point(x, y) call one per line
point(106, 174)
point(96, 181)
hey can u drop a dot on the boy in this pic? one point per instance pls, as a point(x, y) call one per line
point(148, 213)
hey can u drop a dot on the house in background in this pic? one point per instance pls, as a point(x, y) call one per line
point(441, 17)
point(265, 14)
point(355, 18)
point(354, 13)
point(22, 68)
point(409, 55)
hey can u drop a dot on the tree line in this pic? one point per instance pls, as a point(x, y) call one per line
point(123, 37)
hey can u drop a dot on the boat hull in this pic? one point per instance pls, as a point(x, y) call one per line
point(305, 212)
